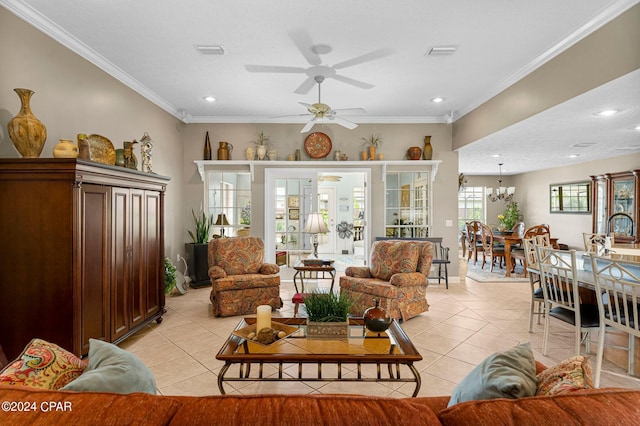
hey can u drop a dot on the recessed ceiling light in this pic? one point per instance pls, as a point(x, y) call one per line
point(636, 128)
point(441, 50)
point(496, 155)
point(437, 100)
point(607, 112)
point(209, 99)
point(574, 155)
point(321, 49)
point(213, 49)
point(583, 144)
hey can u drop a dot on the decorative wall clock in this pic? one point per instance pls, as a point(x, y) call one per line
point(317, 145)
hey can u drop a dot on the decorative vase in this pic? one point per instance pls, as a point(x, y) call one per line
point(261, 151)
point(414, 153)
point(364, 155)
point(27, 133)
point(427, 152)
point(85, 150)
point(272, 154)
point(224, 150)
point(120, 157)
point(376, 318)
point(207, 148)
point(250, 153)
point(372, 152)
point(65, 149)
point(327, 330)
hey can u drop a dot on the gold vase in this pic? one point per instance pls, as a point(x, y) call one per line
point(427, 152)
point(65, 149)
point(27, 133)
point(372, 152)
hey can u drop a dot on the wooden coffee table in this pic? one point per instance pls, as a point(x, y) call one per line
point(388, 351)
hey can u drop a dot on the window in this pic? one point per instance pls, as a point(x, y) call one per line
point(570, 198)
point(407, 204)
point(471, 201)
point(229, 194)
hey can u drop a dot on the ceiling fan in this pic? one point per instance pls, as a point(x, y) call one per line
point(320, 111)
point(311, 53)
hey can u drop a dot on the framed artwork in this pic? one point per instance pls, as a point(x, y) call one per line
point(293, 201)
point(294, 214)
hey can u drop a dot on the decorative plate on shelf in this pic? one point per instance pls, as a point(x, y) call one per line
point(317, 145)
point(102, 150)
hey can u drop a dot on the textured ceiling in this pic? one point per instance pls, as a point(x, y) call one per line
point(380, 46)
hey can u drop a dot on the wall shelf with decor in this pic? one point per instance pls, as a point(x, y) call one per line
point(204, 165)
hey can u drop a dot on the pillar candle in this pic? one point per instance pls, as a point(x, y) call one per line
point(263, 317)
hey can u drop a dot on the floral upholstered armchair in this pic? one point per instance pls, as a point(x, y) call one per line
point(397, 277)
point(240, 279)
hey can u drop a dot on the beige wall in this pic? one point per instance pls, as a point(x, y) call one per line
point(73, 96)
point(603, 56)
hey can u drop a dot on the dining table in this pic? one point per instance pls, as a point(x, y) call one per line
point(510, 239)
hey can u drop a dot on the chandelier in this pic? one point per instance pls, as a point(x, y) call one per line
point(502, 193)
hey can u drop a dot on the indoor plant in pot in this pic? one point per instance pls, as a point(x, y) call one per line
point(327, 315)
point(197, 251)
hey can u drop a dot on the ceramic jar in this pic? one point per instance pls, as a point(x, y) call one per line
point(65, 149)
point(224, 151)
point(414, 153)
point(376, 319)
point(27, 133)
point(427, 152)
point(261, 151)
point(250, 153)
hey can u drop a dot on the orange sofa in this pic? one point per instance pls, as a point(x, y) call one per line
point(43, 407)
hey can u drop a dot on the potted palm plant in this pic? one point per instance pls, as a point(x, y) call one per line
point(197, 250)
point(327, 315)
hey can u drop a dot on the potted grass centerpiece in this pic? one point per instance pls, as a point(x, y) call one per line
point(327, 315)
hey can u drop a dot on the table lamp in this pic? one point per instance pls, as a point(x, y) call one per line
point(315, 225)
point(222, 221)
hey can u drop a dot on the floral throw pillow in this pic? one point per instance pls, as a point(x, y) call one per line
point(570, 375)
point(43, 365)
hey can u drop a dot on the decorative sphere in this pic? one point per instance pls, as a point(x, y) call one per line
point(377, 319)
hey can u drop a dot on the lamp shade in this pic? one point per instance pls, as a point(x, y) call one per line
point(221, 220)
point(315, 224)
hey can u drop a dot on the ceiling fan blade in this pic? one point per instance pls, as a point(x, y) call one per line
point(275, 69)
point(308, 126)
point(289, 115)
point(303, 42)
point(306, 86)
point(351, 81)
point(350, 110)
point(371, 56)
point(344, 123)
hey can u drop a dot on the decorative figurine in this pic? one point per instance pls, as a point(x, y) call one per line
point(145, 148)
point(130, 160)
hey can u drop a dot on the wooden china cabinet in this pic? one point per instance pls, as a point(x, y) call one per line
point(82, 253)
point(615, 193)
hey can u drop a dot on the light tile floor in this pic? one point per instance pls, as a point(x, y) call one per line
point(464, 324)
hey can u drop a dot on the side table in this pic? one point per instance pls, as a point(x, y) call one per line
point(316, 272)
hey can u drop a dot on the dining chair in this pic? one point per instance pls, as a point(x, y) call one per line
point(532, 270)
point(562, 298)
point(489, 249)
point(473, 242)
point(593, 242)
point(618, 284)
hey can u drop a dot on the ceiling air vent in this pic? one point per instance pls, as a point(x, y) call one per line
point(442, 50)
point(210, 50)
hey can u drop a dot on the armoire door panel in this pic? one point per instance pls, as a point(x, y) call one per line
point(137, 293)
point(95, 268)
point(121, 254)
point(154, 262)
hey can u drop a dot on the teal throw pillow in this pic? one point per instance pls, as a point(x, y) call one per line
point(508, 374)
point(114, 370)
